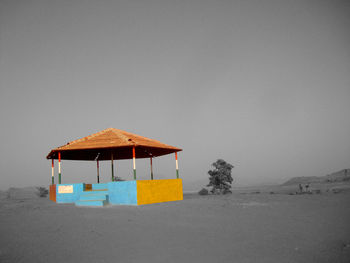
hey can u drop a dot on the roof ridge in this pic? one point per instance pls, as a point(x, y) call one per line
point(86, 137)
point(146, 138)
point(122, 135)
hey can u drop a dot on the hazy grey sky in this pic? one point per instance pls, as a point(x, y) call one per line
point(264, 85)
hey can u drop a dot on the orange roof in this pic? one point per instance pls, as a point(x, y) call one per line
point(110, 142)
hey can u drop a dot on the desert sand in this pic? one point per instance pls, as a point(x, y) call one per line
point(247, 226)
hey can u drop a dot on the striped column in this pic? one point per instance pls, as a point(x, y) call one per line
point(59, 167)
point(52, 172)
point(112, 167)
point(98, 172)
point(151, 169)
point(133, 161)
point(177, 166)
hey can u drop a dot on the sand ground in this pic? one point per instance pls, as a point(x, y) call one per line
point(242, 227)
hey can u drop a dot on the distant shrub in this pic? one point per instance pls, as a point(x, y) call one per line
point(118, 179)
point(227, 191)
point(203, 192)
point(42, 192)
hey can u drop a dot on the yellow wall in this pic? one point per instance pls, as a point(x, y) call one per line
point(158, 191)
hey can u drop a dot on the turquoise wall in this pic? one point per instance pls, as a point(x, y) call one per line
point(122, 193)
point(71, 197)
point(99, 186)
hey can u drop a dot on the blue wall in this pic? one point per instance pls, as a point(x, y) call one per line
point(99, 186)
point(71, 197)
point(122, 193)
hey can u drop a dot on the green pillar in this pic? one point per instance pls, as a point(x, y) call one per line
point(112, 167)
point(98, 172)
point(151, 169)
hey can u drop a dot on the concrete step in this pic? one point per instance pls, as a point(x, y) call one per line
point(90, 202)
point(99, 192)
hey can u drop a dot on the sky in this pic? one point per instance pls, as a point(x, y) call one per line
point(264, 85)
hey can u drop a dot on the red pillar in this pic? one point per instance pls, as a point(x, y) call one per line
point(52, 172)
point(59, 167)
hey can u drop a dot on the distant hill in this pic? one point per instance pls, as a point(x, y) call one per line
point(340, 176)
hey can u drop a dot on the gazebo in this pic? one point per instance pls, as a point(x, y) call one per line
point(114, 144)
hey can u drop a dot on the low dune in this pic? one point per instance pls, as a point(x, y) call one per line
point(250, 225)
